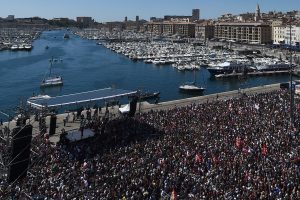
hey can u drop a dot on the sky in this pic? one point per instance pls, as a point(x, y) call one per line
point(116, 10)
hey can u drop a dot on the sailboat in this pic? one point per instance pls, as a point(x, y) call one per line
point(191, 86)
point(51, 80)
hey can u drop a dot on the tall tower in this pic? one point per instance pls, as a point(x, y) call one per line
point(257, 13)
point(195, 14)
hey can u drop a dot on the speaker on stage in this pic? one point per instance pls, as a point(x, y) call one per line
point(132, 106)
point(21, 143)
point(52, 125)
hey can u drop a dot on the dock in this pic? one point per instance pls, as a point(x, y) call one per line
point(264, 73)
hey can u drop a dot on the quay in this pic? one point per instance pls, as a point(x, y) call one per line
point(265, 73)
point(74, 124)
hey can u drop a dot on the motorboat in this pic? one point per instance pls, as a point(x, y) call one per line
point(14, 47)
point(28, 47)
point(228, 67)
point(146, 95)
point(149, 95)
point(191, 87)
point(21, 46)
point(269, 64)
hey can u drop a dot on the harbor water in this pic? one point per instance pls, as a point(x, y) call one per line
point(87, 66)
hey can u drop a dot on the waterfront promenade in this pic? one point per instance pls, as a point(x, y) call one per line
point(72, 125)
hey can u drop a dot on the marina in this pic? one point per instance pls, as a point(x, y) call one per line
point(17, 39)
point(82, 70)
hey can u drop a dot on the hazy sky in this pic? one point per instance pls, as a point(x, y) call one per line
point(116, 10)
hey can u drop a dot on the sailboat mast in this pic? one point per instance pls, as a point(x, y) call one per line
point(50, 66)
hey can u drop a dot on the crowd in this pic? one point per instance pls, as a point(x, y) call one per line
point(243, 148)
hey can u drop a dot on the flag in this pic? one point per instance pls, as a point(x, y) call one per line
point(198, 158)
point(173, 194)
point(238, 142)
point(246, 176)
point(264, 149)
point(215, 160)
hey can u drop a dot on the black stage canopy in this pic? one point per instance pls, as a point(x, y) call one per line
point(83, 97)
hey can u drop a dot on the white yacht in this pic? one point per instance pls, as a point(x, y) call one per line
point(230, 66)
point(51, 80)
point(269, 64)
point(28, 47)
point(191, 87)
point(156, 61)
point(14, 47)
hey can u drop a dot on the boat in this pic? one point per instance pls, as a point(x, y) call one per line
point(40, 96)
point(228, 67)
point(268, 64)
point(146, 95)
point(28, 47)
point(148, 61)
point(14, 47)
point(149, 95)
point(21, 47)
point(191, 87)
point(51, 80)
point(66, 36)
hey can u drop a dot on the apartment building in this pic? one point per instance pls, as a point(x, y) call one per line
point(248, 32)
point(185, 29)
point(295, 35)
point(204, 31)
point(278, 34)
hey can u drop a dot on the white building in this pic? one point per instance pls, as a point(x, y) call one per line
point(10, 17)
point(295, 39)
point(278, 34)
point(297, 16)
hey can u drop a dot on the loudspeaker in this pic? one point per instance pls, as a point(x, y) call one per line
point(52, 125)
point(132, 106)
point(21, 143)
